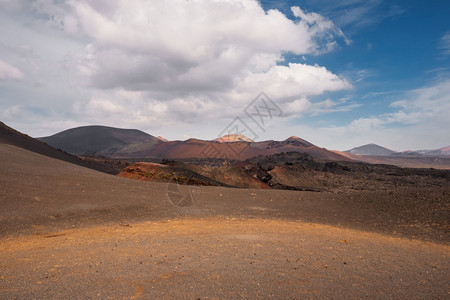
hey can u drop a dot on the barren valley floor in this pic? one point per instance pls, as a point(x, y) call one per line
point(71, 232)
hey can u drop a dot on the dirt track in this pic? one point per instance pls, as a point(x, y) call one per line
point(70, 232)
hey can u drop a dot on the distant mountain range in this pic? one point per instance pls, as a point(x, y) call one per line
point(132, 143)
point(84, 145)
point(437, 152)
point(373, 149)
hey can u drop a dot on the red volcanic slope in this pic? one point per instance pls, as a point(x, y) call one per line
point(194, 148)
point(231, 138)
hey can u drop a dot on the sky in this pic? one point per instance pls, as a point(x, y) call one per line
point(339, 74)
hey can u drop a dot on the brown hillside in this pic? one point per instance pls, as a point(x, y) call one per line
point(13, 137)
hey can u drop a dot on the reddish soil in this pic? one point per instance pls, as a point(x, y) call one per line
point(291, 171)
point(221, 258)
point(155, 172)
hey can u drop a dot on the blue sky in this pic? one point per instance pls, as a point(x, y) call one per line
point(396, 46)
point(344, 73)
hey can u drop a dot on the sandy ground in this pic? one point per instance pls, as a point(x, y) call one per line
point(221, 258)
point(71, 232)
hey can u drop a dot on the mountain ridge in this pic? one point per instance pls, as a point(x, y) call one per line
point(115, 142)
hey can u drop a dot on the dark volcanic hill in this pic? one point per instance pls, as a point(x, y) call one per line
point(101, 140)
point(13, 137)
point(370, 149)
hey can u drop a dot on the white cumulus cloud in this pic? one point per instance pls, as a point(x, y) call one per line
point(167, 62)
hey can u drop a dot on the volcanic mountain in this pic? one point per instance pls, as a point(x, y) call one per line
point(230, 138)
point(101, 140)
point(370, 149)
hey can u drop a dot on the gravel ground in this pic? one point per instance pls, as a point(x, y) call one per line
point(71, 232)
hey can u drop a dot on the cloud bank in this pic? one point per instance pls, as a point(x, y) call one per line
point(180, 61)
